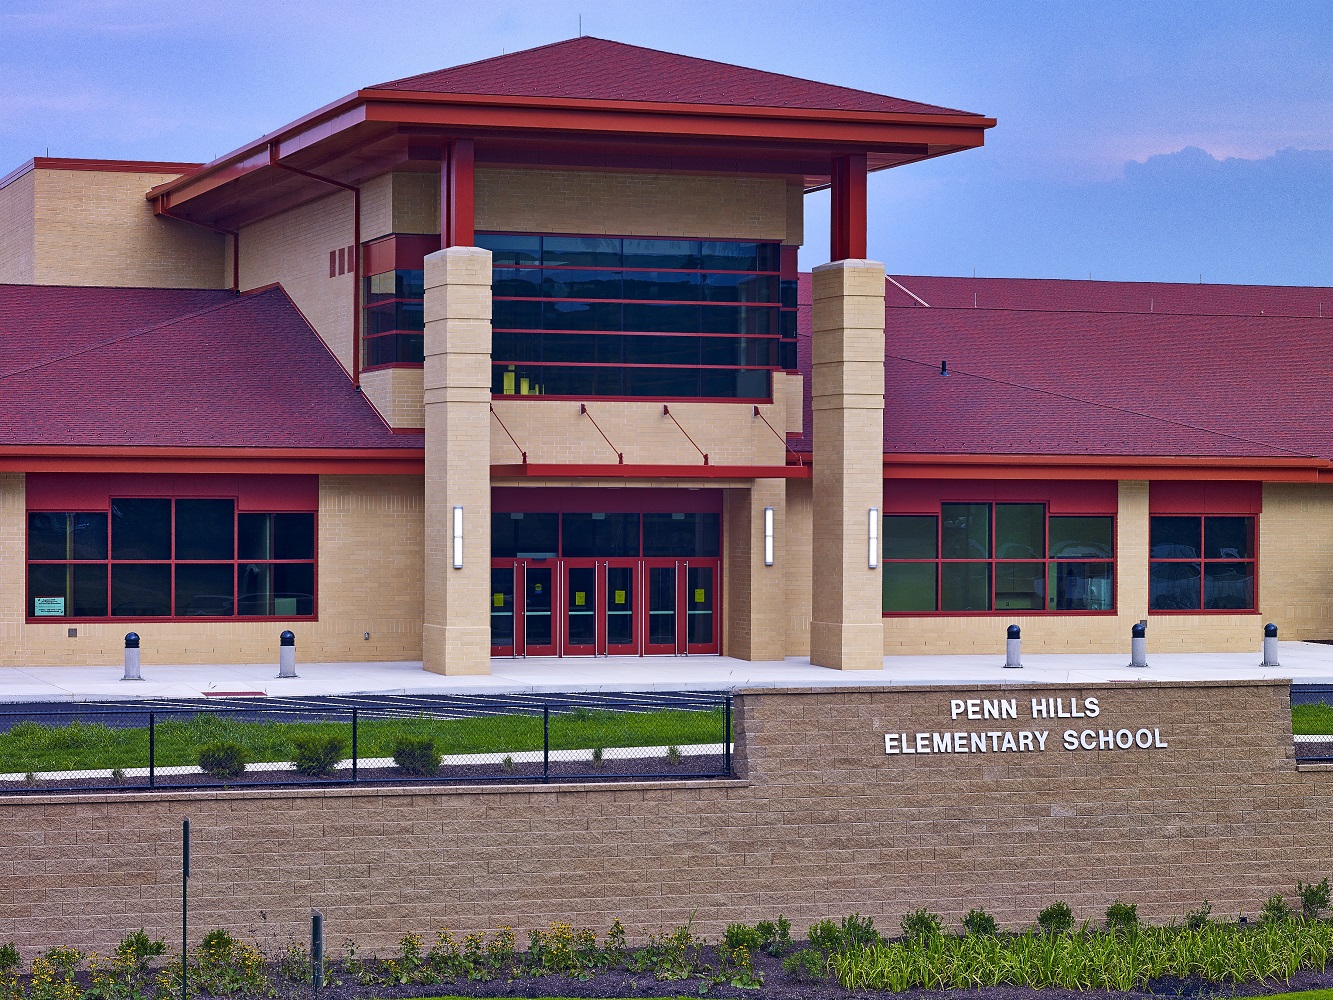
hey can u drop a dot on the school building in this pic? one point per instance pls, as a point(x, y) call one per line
point(514, 358)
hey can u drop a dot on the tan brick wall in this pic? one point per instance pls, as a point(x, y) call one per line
point(400, 202)
point(18, 245)
point(369, 576)
point(555, 431)
point(96, 228)
point(1099, 633)
point(753, 606)
point(685, 205)
point(293, 249)
point(396, 394)
point(797, 548)
point(1295, 568)
point(825, 824)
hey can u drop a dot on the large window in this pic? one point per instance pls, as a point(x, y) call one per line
point(608, 316)
point(1201, 563)
point(392, 329)
point(605, 535)
point(989, 557)
point(170, 558)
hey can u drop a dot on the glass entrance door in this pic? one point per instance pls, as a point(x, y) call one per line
point(620, 637)
point(582, 605)
point(662, 599)
point(502, 609)
point(700, 606)
point(535, 620)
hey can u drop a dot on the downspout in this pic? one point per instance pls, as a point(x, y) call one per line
point(356, 239)
point(162, 206)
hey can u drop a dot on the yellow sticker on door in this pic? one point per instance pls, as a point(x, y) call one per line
point(580, 598)
point(498, 600)
point(620, 597)
point(699, 596)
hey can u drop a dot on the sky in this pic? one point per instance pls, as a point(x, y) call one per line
point(1138, 141)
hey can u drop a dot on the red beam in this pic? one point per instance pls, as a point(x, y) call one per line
point(457, 195)
point(847, 208)
point(309, 461)
point(531, 471)
point(1139, 467)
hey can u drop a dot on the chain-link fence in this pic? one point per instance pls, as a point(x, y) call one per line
point(1312, 722)
point(252, 741)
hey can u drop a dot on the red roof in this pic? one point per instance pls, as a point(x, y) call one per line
point(596, 69)
point(172, 367)
point(1051, 376)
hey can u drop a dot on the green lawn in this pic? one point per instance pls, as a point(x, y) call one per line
point(1307, 995)
point(30, 746)
point(1312, 720)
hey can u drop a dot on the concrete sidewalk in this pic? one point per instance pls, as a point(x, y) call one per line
point(1308, 663)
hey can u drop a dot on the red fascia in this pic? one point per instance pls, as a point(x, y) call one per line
point(308, 461)
point(1144, 467)
point(92, 491)
point(582, 499)
point(531, 471)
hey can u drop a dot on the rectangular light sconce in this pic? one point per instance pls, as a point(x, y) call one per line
point(872, 554)
point(768, 536)
point(458, 538)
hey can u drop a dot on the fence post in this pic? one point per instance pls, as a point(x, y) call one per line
point(353, 745)
point(317, 949)
point(546, 742)
point(152, 749)
point(726, 736)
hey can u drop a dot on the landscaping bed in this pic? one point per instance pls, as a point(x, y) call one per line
point(1286, 949)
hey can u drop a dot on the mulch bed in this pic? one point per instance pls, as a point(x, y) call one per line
point(1306, 751)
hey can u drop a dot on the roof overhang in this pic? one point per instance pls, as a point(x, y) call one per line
point(1116, 467)
point(308, 461)
point(372, 131)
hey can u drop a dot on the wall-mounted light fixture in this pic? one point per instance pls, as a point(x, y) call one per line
point(872, 552)
point(768, 536)
point(458, 538)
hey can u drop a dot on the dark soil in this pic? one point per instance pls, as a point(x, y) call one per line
point(779, 986)
point(1315, 751)
point(612, 769)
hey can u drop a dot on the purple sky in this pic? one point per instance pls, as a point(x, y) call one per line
point(1136, 140)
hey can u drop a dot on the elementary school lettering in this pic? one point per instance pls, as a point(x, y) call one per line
point(1024, 740)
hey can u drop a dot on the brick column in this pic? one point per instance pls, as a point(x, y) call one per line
point(1131, 558)
point(756, 611)
point(456, 636)
point(846, 627)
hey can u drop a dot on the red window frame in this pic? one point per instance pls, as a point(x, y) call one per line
point(1061, 498)
point(235, 562)
point(1203, 561)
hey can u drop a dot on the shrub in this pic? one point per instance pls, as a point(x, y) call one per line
point(416, 756)
point(673, 755)
point(117, 775)
point(669, 957)
point(1197, 920)
point(1121, 916)
point(735, 953)
point(1276, 911)
point(808, 963)
point(854, 931)
point(222, 759)
point(980, 923)
point(125, 976)
point(316, 756)
point(1314, 898)
point(775, 937)
point(508, 763)
point(743, 936)
point(597, 753)
point(921, 924)
point(9, 958)
point(1057, 918)
point(222, 965)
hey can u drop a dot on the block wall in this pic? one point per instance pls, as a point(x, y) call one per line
point(369, 578)
point(822, 824)
point(687, 205)
point(18, 246)
point(293, 248)
point(397, 394)
point(95, 227)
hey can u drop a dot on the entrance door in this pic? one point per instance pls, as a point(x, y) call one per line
point(661, 630)
point(582, 605)
point(620, 637)
point(536, 620)
point(700, 579)
point(503, 609)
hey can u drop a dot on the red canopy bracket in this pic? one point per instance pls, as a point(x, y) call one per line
point(508, 435)
point(790, 450)
point(666, 412)
point(583, 409)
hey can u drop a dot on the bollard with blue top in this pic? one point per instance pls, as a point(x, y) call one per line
point(1138, 645)
point(287, 654)
point(1270, 646)
point(1013, 648)
point(132, 657)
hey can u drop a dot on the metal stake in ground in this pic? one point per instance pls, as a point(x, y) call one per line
point(185, 903)
point(317, 949)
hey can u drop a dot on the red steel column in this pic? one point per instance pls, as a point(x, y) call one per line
point(457, 190)
point(847, 208)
